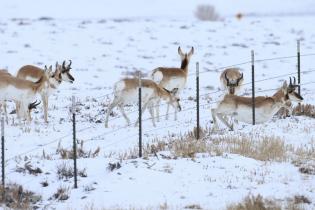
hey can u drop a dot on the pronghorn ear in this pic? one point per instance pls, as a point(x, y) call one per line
point(45, 68)
point(57, 64)
point(285, 87)
point(191, 51)
point(180, 52)
point(50, 68)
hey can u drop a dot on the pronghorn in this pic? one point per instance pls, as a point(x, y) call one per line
point(22, 91)
point(171, 78)
point(265, 107)
point(4, 72)
point(231, 80)
point(126, 92)
point(33, 73)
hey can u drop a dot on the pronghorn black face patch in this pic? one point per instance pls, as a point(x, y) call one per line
point(184, 62)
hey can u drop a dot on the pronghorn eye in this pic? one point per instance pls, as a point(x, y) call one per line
point(178, 99)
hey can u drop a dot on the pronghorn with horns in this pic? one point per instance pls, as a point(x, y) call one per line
point(62, 73)
point(171, 78)
point(126, 92)
point(232, 80)
point(265, 107)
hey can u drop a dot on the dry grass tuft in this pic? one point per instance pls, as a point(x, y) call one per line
point(18, 198)
point(81, 152)
point(255, 203)
point(29, 168)
point(206, 12)
point(65, 171)
point(193, 206)
point(304, 110)
point(62, 194)
point(266, 148)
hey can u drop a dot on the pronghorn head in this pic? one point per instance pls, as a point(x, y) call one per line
point(185, 57)
point(290, 91)
point(174, 99)
point(233, 79)
point(65, 72)
point(53, 77)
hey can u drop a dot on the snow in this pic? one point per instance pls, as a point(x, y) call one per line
point(108, 39)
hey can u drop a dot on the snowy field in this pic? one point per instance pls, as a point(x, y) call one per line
point(113, 39)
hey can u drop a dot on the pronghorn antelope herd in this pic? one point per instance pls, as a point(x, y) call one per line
point(30, 81)
point(165, 84)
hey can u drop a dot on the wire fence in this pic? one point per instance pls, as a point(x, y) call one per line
point(206, 103)
point(186, 99)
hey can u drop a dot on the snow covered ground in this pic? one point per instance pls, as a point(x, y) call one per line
point(106, 40)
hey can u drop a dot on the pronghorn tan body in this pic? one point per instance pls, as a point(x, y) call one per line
point(231, 80)
point(4, 72)
point(20, 90)
point(126, 92)
point(265, 107)
point(33, 73)
point(171, 78)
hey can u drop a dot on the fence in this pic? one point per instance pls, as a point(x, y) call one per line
point(196, 107)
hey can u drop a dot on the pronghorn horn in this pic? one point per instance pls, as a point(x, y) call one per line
point(241, 77)
point(33, 105)
point(57, 64)
point(63, 64)
point(290, 82)
point(227, 79)
point(294, 80)
point(69, 64)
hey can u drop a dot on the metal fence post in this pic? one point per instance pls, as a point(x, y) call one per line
point(299, 65)
point(197, 100)
point(140, 117)
point(2, 158)
point(74, 143)
point(253, 85)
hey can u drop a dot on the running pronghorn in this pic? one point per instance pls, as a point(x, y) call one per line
point(126, 92)
point(171, 78)
point(231, 80)
point(241, 107)
point(33, 73)
point(21, 91)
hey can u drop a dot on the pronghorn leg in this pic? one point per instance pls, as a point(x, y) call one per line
point(158, 111)
point(175, 117)
point(109, 110)
point(45, 103)
point(214, 118)
point(121, 108)
point(151, 110)
point(142, 111)
point(18, 109)
point(167, 110)
point(221, 117)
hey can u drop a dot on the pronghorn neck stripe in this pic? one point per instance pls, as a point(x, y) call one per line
point(184, 63)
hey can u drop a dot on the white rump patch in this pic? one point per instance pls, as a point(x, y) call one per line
point(157, 76)
point(119, 86)
point(32, 79)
